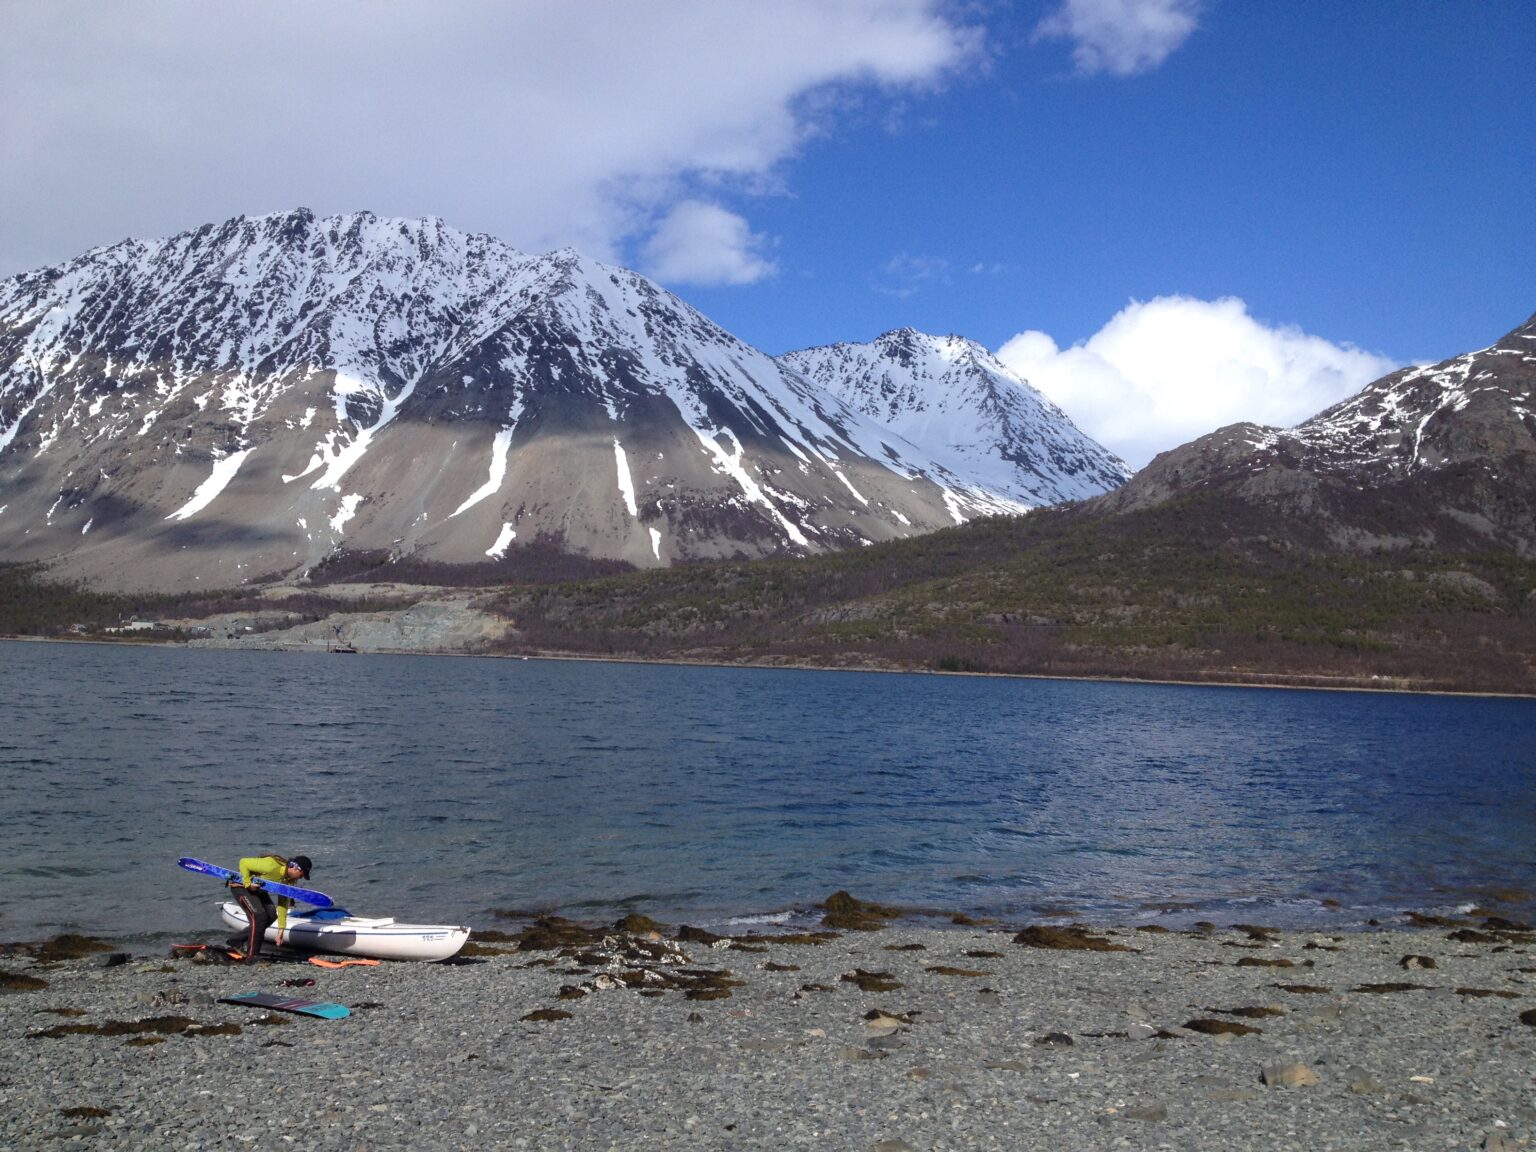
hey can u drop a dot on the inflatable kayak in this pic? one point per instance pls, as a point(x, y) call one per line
point(337, 930)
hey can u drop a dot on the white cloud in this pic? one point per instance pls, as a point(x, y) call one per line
point(544, 124)
point(906, 274)
point(1164, 372)
point(699, 243)
point(1121, 37)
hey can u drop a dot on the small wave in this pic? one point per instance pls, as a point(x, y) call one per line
point(764, 918)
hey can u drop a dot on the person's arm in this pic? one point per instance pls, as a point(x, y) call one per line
point(283, 904)
point(265, 867)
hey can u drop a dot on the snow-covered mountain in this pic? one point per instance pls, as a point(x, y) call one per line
point(968, 408)
point(1440, 455)
point(1478, 406)
point(246, 399)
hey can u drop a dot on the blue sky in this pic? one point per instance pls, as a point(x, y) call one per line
point(1167, 214)
point(1366, 171)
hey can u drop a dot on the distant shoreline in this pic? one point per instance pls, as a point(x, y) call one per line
point(1278, 681)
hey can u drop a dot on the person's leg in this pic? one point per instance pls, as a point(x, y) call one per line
point(259, 913)
point(251, 940)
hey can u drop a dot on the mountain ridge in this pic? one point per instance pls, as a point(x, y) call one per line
point(1229, 562)
point(1437, 452)
point(246, 399)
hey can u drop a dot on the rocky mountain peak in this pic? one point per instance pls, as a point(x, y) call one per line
point(1433, 451)
point(950, 391)
point(251, 397)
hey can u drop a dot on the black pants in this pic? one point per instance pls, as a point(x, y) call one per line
point(259, 913)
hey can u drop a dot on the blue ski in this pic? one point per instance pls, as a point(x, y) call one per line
point(307, 895)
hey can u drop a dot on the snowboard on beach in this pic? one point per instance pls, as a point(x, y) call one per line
point(306, 895)
point(288, 1004)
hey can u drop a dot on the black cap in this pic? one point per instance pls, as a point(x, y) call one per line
point(302, 864)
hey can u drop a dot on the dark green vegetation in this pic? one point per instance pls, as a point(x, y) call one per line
point(1200, 589)
point(30, 605)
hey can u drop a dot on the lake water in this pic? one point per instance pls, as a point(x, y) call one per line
point(445, 789)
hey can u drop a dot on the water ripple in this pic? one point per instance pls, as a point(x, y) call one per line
point(439, 789)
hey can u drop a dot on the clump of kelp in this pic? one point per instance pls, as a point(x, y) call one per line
point(1073, 938)
point(845, 912)
point(46, 953)
point(56, 949)
point(141, 1030)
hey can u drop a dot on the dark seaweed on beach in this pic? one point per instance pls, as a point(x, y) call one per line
point(541, 1015)
point(1221, 1028)
point(164, 1025)
point(872, 981)
point(1074, 938)
point(848, 913)
point(68, 946)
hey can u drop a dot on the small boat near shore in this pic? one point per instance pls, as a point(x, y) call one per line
point(337, 930)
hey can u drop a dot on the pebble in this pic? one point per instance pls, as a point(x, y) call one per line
point(1288, 1076)
point(1364, 1085)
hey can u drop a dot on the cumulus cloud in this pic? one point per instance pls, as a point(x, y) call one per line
point(699, 243)
point(1164, 372)
point(1121, 37)
point(581, 122)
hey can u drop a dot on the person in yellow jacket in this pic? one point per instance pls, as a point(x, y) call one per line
point(255, 902)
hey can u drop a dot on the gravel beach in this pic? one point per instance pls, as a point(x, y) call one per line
point(908, 1037)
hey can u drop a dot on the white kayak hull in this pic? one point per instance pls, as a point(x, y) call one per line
point(379, 939)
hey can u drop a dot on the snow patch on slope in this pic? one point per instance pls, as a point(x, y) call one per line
point(223, 472)
point(492, 485)
point(626, 481)
point(732, 466)
point(347, 510)
point(503, 541)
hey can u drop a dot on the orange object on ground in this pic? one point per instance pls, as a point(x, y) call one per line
point(323, 962)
